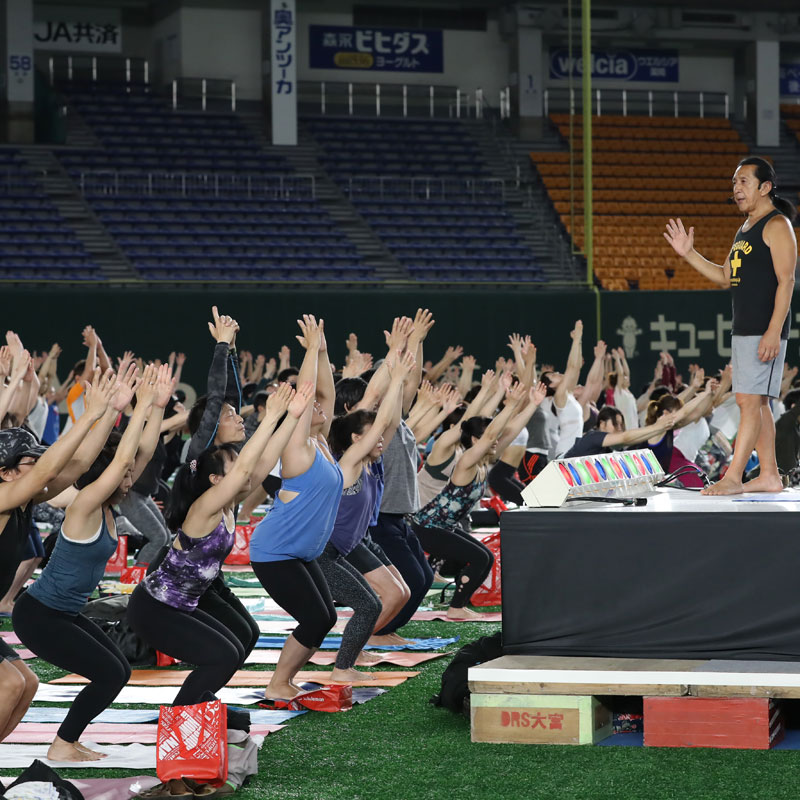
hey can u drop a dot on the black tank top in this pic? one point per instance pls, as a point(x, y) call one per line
point(753, 282)
point(12, 542)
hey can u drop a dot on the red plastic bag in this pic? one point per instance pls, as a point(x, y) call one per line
point(240, 552)
point(489, 592)
point(120, 558)
point(338, 697)
point(163, 660)
point(192, 742)
point(132, 574)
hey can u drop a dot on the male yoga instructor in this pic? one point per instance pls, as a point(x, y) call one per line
point(760, 273)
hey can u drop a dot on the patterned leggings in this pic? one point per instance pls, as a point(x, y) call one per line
point(348, 586)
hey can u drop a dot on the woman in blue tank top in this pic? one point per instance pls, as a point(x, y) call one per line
point(47, 617)
point(289, 539)
point(357, 440)
point(163, 609)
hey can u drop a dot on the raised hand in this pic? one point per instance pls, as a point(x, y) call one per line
point(5, 361)
point(303, 396)
point(272, 365)
point(278, 401)
point(406, 363)
point(577, 331)
point(487, 379)
point(668, 420)
point(538, 393)
point(600, 349)
point(423, 322)
point(171, 359)
point(500, 364)
point(351, 343)
point(98, 393)
point(515, 343)
point(397, 338)
point(451, 400)
point(127, 358)
point(21, 366)
point(468, 362)
point(89, 336)
point(680, 241)
point(311, 333)
point(146, 393)
point(14, 344)
point(517, 394)
point(223, 328)
point(505, 381)
point(453, 353)
point(180, 359)
point(55, 350)
point(261, 359)
point(697, 378)
point(128, 381)
point(165, 386)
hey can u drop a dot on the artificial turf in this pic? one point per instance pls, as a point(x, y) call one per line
point(399, 746)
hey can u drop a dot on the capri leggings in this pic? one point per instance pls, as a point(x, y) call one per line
point(503, 482)
point(74, 643)
point(191, 636)
point(349, 587)
point(300, 589)
point(474, 559)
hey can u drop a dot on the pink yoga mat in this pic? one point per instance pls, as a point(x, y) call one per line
point(9, 637)
point(328, 657)
point(103, 733)
point(419, 616)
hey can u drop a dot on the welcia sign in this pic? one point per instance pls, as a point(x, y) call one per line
point(618, 65)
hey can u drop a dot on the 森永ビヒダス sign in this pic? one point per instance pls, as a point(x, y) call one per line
point(386, 49)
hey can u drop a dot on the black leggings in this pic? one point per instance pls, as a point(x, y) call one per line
point(191, 636)
point(300, 589)
point(502, 481)
point(221, 603)
point(74, 643)
point(474, 559)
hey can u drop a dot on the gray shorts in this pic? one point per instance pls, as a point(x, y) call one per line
point(750, 374)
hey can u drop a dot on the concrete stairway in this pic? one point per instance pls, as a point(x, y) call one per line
point(526, 198)
point(74, 209)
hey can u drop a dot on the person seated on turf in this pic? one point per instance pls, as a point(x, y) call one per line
point(438, 524)
point(47, 617)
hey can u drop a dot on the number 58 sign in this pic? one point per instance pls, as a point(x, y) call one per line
point(20, 65)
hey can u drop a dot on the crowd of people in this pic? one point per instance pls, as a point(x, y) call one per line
point(370, 471)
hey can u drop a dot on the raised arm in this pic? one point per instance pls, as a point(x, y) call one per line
point(396, 339)
point(450, 399)
point(594, 380)
point(682, 243)
point(164, 386)
point(18, 492)
point(9, 392)
point(573, 370)
point(440, 367)
point(352, 458)
point(523, 416)
point(474, 454)
point(500, 390)
point(423, 322)
point(467, 373)
point(639, 435)
point(326, 388)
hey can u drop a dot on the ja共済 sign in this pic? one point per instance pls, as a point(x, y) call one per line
point(618, 65)
point(86, 30)
point(382, 49)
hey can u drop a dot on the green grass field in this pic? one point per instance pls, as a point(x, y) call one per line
point(399, 746)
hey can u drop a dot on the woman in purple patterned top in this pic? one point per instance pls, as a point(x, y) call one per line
point(163, 608)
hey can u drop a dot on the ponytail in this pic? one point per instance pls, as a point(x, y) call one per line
point(340, 436)
point(655, 408)
point(765, 172)
point(194, 478)
point(473, 427)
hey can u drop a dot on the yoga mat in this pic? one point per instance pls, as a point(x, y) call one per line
point(284, 626)
point(106, 733)
point(25, 654)
point(400, 659)
point(335, 642)
point(162, 678)
point(107, 788)
point(428, 616)
point(147, 695)
point(119, 756)
point(9, 637)
point(130, 716)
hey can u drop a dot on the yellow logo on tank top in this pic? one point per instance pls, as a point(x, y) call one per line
point(740, 247)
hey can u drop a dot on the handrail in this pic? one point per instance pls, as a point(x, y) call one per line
point(195, 184)
point(425, 187)
point(99, 68)
point(205, 89)
point(642, 102)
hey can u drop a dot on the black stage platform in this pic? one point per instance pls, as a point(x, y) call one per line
point(685, 577)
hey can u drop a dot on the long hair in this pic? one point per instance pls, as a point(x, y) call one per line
point(665, 404)
point(474, 426)
point(349, 393)
point(342, 429)
point(194, 478)
point(766, 172)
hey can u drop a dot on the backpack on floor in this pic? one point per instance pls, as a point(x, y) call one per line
point(454, 694)
point(40, 782)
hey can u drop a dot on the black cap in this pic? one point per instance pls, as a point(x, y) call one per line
point(16, 443)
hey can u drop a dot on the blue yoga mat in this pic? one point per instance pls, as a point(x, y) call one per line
point(790, 741)
point(335, 642)
point(134, 715)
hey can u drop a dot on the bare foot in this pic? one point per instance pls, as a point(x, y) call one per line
point(764, 483)
point(462, 614)
point(365, 657)
point(398, 639)
point(68, 751)
point(85, 749)
point(437, 578)
point(6, 608)
point(381, 641)
point(350, 675)
point(281, 691)
point(724, 487)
